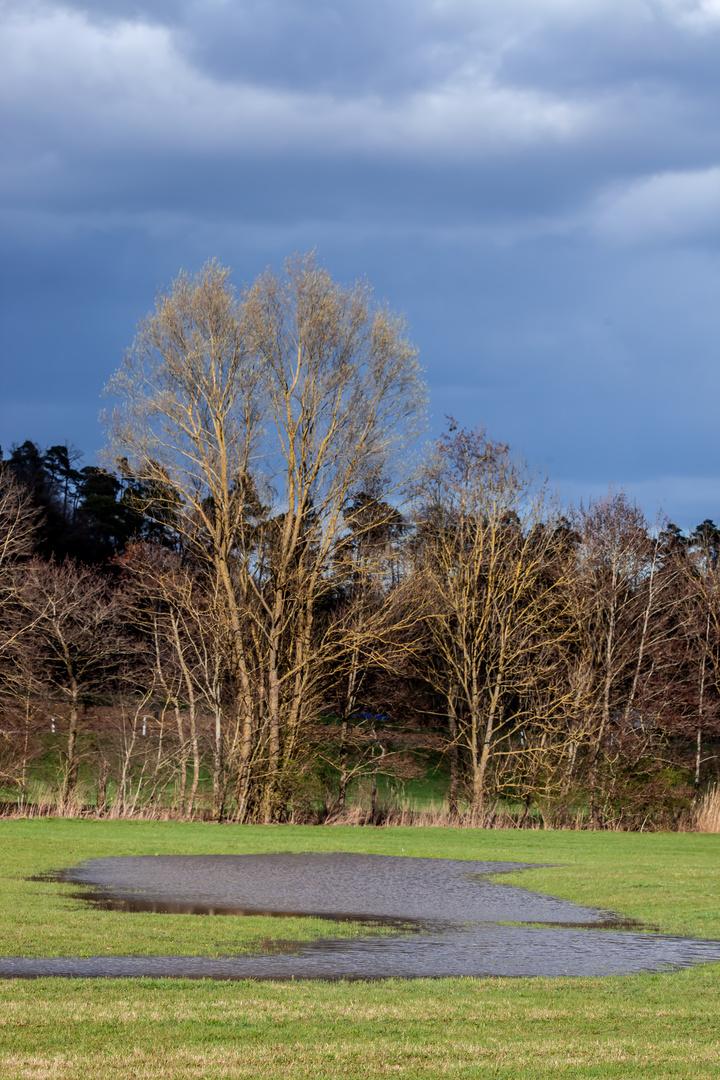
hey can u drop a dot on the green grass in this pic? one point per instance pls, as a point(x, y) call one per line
point(651, 1026)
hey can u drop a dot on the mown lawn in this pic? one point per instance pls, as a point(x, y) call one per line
point(642, 1026)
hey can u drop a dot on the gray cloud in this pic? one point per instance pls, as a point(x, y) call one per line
point(535, 182)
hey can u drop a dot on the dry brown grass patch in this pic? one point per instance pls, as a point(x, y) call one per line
point(707, 816)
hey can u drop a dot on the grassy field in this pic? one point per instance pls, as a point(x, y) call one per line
point(642, 1026)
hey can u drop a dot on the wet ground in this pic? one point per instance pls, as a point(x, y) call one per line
point(450, 919)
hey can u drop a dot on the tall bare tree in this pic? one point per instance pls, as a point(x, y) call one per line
point(620, 596)
point(260, 413)
point(74, 644)
point(483, 549)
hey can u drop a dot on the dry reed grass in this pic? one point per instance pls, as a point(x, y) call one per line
point(494, 816)
point(47, 805)
point(357, 814)
point(707, 815)
point(362, 813)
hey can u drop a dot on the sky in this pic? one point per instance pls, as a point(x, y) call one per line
point(534, 184)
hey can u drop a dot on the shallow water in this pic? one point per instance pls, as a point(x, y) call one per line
point(451, 917)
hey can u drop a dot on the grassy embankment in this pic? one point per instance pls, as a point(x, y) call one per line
point(642, 1026)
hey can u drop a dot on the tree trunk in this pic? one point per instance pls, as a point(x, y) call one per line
point(218, 780)
point(71, 773)
point(271, 784)
point(593, 780)
point(701, 708)
point(183, 758)
point(242, 787)
point(490, 726)
point(160, 718)
point(342, 790)
point(196, 761)
point(102, 789)
point(120, 805)
point(190, 691)
point(26, 744)
point(479, 778)
point(350, 703)
point(567, 778)
point(453, 757)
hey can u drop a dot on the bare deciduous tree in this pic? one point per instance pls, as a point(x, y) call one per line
point(74, 644)
point(619, 595)
point(483, 548)
point(300, 390)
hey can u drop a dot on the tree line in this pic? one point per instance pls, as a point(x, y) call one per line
point(272, 602)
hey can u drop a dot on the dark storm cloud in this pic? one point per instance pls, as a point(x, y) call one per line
point(447, 103)
point(536, 183)
point(388, 45)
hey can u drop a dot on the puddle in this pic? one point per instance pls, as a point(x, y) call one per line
point(338, 885)
point(169, 907)
point(471, 926)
